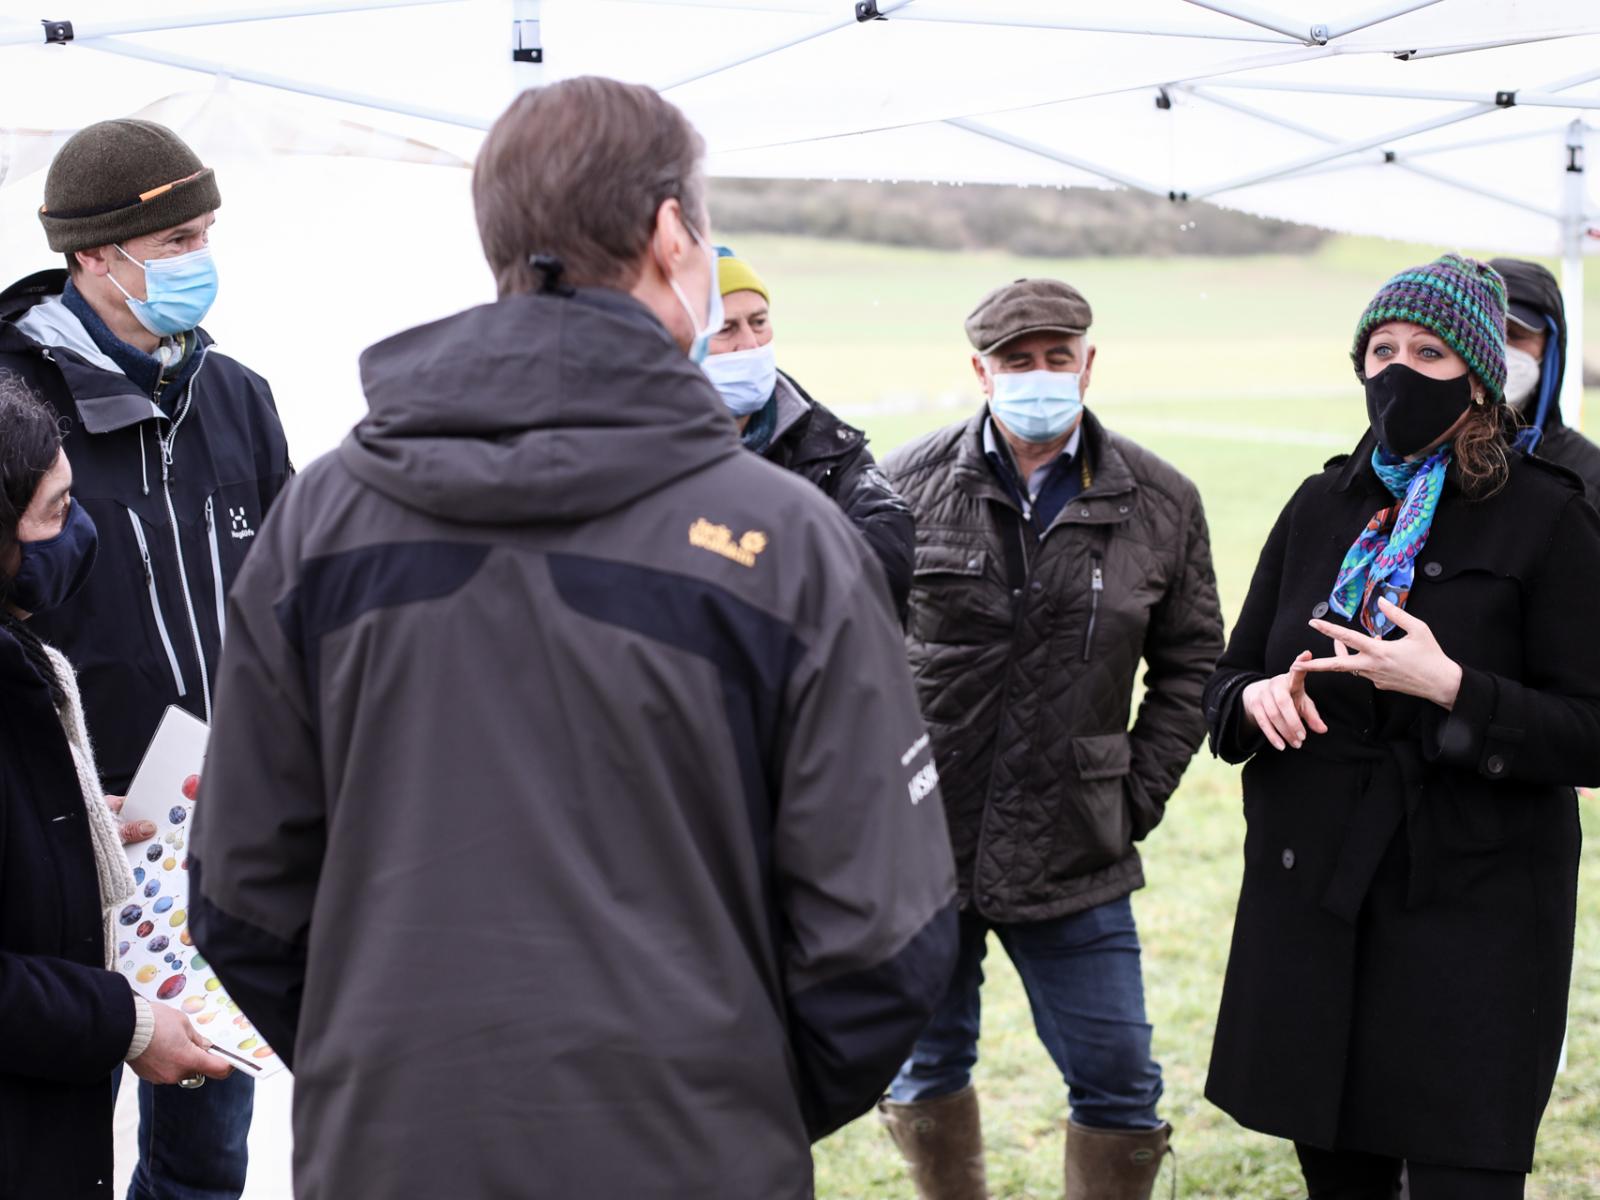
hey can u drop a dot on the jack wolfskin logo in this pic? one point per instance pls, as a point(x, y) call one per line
point(241, 524)
point(719, 540)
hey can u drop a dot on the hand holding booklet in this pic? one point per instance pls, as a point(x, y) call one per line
point(154, 948)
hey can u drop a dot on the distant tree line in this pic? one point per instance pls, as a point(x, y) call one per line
point(1034, 221)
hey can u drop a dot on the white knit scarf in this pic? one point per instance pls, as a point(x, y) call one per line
point(110, 860)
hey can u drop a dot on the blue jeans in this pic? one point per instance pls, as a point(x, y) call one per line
point(1082, 977)
point(193, 1144)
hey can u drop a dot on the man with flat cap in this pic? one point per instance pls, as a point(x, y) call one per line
point(1052, 556)
point(177, 454)
point(1536, 362)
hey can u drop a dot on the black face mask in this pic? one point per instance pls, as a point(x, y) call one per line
point(1410, 411)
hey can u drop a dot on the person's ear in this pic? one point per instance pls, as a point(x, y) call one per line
point(1088, 369)
point(982, 373)
point(670, 240)
point(96, 260)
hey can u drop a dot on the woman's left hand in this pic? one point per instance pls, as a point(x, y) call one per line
point(132, 831)
point(1413, 665)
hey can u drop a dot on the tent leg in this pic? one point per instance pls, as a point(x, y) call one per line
point(1573, 228)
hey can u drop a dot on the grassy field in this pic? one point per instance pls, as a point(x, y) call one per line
point(1235, 370)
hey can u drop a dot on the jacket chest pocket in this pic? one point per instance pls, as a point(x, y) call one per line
point(957, 595)
point(1460, 600)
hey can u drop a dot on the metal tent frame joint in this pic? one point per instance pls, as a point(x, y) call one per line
point(867, 10)
point(1505, 99)
point(57, 33)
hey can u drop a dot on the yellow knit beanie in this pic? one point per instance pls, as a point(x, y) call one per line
point(736, 275)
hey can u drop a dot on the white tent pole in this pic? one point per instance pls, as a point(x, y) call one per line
point(1573, 228)
point(1261, 19)
point(285, 84)
point(83, 30)
point(1476, 189)
point(885, 7)
point(1376, 17)
point(1020, 143)
point(1342, 150)
point(1547, 97)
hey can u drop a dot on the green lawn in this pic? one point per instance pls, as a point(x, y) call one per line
point(1235, 370)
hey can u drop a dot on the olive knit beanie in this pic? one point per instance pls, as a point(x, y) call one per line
point(1460, 299)
point(121, 179)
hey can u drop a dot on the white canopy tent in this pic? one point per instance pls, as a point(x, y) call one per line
point(1454, 121)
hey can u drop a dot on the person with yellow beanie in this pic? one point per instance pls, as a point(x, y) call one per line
point(780, 422)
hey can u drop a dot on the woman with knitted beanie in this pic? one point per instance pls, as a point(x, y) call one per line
point(69, 1020)
point(1414, 687)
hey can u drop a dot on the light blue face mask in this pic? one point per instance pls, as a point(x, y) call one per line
point(178, 291)
point(1037, 406)
point(714, 314)
point(745, 378)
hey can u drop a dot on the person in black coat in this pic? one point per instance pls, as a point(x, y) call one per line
point(69, 1022)
point(780, 422)
point(1413, 700)
point(1536, 364)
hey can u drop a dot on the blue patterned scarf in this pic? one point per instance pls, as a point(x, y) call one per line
point(1383, 560)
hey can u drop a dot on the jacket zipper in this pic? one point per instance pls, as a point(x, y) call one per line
point(1097, 584)
point(216, 565)
point(155, 603)
point(167, 444)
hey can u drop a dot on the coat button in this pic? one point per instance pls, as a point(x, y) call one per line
point(1016, 593)
point(1036, 586)
point(972, 564)
point(1122, 508)
point(1321, 610)
point(844, 435)
point(1496, 765)
point(1083, 512)
point(1432, 570)
point(1288, 860)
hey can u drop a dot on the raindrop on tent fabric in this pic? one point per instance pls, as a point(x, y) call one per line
point(130, 914)
point(177, 813)
point(146, 928)
point(151, 888)
point(171, 987)
point(161, 905)
point(159, 943)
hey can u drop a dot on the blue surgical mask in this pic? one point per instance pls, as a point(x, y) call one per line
point(178, 291)
point(745, 378)
point(52, 570)
point(714, 315)
point(1037, 406)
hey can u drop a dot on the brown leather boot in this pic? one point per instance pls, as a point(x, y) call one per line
point(942, 1141)
point(1114, 1164)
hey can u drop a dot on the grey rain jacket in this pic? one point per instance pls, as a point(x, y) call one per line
point(568, 823)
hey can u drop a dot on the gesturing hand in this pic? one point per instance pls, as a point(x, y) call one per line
point(1414, 665)
point(1280, 708)
point(132, 831)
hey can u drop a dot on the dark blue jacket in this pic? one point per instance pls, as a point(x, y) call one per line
point(177, 500)
point(65, 1020)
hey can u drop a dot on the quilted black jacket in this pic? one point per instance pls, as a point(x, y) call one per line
point(1025, 651)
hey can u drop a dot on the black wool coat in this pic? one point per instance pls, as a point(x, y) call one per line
point(65, 1021)
point(1403, 947)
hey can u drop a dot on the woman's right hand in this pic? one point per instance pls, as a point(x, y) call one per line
point(176, 1051)
point(1281, 710)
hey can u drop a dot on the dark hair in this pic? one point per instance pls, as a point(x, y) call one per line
point(1482, 450)
point(574, 174)
point(30, 441)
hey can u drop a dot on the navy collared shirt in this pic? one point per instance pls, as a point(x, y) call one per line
point(1048, 488)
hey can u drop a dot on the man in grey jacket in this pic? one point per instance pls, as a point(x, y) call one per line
point(569, 825)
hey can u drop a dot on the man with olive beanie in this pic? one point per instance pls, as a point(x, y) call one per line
point(177, 454)
point(778, 420)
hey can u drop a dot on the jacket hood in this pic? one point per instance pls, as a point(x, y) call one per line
point(35, 308)
point(534, 408)
point(1529, 285)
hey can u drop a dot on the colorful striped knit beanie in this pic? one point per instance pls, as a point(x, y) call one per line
point(1460, 299)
